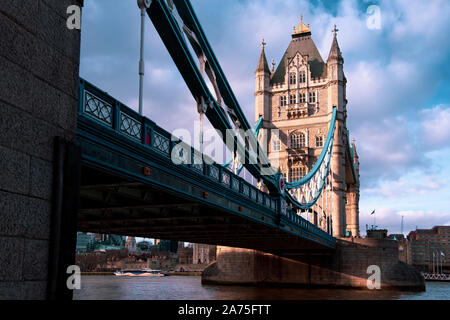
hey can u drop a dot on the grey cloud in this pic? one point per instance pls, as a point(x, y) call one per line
point(435, 127)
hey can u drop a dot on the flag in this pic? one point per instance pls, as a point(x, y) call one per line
point(373, 212)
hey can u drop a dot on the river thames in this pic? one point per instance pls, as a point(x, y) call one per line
point(190, 288)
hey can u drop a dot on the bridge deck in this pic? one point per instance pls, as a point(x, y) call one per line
point(130, 186)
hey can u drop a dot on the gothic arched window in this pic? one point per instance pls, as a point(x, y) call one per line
point(302, 77)
point(302, 97)
point(292, 99)
point(298, 140)
point(296, 173)
point(276, 144)
point(319, 141)
point(292, 78)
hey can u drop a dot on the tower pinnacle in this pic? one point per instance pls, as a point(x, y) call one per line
point(262, 63)
point(301, 29)
point(263, 44)
point(335, 30)
point(335, 52)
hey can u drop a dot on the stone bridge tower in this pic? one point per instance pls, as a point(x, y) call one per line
point(297, 99)
point(39, 63)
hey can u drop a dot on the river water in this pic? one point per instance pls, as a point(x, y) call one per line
point(190, 288)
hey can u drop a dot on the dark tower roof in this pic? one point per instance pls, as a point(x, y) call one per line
point(335, 51)
point(301, 42)
point(262, 63)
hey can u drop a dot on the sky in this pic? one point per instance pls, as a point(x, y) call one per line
point(397, 90)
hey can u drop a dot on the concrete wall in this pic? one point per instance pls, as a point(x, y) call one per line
point(39, 62)
point(346, 267)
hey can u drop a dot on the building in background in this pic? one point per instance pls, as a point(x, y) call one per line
point(131, 244)
point(85, 242)
point(110, 242)
point(168, 245)
point(185, 255)
point(396, 236)
point(377, 233)
point(428, 249)
point(144, 246)
point(203, 253)
point(297, 99)
point(88, 242)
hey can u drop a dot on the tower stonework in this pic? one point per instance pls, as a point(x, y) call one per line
point(297, 99)
point(39, 63)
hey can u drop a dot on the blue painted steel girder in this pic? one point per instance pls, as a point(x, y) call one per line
point(171, 35)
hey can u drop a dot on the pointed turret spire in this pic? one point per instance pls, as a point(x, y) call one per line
point(355, 154)
point(263, 66)
point(335, 52)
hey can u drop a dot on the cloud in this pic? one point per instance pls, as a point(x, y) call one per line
point(404, 187)
point(436, 126)
point(387, 149)
point(403, 145)
point(390, 219)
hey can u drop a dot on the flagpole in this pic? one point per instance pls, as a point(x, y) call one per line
point(374, 221)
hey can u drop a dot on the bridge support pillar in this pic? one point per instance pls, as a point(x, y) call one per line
point(39, 64)
point(63, 235)
point(346, 267)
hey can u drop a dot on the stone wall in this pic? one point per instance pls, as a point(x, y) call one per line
point(39, 62)
point(346, 267)
point(190, 267)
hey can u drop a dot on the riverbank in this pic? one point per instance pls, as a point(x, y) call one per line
point(105, 273)
point(184, 273)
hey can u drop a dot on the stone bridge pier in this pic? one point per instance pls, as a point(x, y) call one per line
point(346, 267)
point(39, 67)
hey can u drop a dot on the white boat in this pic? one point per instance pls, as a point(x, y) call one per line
point(140, 273)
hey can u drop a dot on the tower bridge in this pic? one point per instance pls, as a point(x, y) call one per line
point(130, 185)
point(99, 166)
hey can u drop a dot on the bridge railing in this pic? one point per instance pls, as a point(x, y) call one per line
point(292, 216)
point(107, 111)
point(98, 106)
